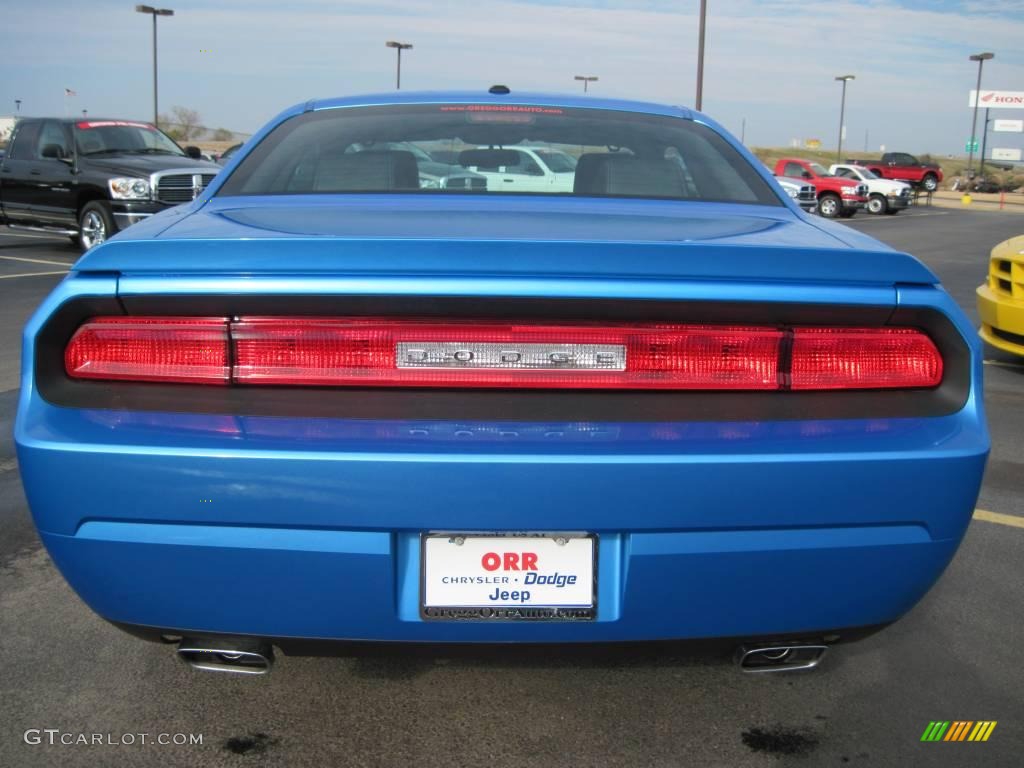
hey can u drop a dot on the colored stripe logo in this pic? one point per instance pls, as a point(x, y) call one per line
point(958, 730)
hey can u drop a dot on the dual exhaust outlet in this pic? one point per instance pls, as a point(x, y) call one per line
point(243, 656)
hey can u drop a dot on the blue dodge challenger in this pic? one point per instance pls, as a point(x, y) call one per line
point(644, 397)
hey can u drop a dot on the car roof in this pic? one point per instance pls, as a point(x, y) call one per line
point(513, 98)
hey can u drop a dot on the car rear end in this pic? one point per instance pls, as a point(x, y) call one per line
point(471, 419)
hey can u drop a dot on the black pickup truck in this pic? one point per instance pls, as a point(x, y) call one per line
point(89, 178)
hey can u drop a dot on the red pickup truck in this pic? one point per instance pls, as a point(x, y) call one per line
point(900, 166)
point(836, 196)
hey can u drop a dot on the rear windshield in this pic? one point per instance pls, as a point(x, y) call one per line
point(500, 150)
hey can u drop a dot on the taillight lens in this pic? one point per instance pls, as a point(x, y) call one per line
point(365, 352)
point(184, 350)
point(863, 358)
point(352, 352)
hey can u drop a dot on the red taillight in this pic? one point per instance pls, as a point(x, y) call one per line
point(394, 352)
point(355, 352)
point(186, 350)
point(863, 358)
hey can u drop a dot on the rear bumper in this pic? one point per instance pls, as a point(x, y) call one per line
point(363, 585)
point(738, 529)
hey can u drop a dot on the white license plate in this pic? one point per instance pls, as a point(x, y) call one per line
point(467, 576)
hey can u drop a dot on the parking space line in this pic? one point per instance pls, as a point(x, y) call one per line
point(997, 517)
point(38, 261)
point(31, 237)
point(898, 218)
point(1003, 364)
point(34, 274)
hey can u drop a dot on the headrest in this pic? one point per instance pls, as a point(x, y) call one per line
point(488, 158)
point(371, 171)
point(601, 173)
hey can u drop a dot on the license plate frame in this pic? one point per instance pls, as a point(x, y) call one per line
point(534, 612)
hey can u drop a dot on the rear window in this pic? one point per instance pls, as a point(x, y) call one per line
point(500, 150)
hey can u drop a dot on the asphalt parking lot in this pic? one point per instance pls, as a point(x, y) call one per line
point(954, 657)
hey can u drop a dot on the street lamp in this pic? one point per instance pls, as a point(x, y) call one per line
point(842, 114)
point(17, 105)
point(399, 47)
point(85, 113)
point(154, 12)
point(700, 54)
point(587, 80)
point(981, 58)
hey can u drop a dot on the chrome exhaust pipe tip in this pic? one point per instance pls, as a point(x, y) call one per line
point(240, 658)
point(779, 658)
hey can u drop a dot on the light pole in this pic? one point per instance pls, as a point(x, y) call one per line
point(587, 80)
point(17, 105)
point(154, 12)
point(981, 58)
point(399, 47)
point(984, 143)
point(842, 115)
point(700, 54)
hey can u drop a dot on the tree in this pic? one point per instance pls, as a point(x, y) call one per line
point(183, 124)
point(166, 125)
point(223, 134)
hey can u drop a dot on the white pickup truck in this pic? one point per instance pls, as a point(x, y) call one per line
point(806, 195)
point(536, 169)
point(884, 195)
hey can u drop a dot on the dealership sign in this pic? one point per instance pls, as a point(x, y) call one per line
point(1006, 154)
point(1009, 126)
point(998, 99)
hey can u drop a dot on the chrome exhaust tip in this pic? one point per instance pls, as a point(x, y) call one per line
point(241, 657)
point(779, 658)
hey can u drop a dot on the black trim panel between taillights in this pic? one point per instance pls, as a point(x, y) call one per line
point(497, 404)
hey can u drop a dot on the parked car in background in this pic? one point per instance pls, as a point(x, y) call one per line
point(884, 195)
point(89, 179)
point(1001, 297)
point(322, 402)
point(900, 166)
point(837, 197)
point(522, 168)
point(227, 153)
point(805, 195)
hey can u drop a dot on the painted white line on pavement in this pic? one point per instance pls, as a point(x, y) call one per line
point(898, 218)
point(34, 274)
point(32, 237)
point(8, 465)
point(1003, 364)
point(38, 261)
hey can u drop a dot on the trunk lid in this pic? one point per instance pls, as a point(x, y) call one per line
point(511, 237)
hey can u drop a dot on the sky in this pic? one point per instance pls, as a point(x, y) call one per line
point(768, 63)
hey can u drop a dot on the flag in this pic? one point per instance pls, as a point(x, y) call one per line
point(69, 92)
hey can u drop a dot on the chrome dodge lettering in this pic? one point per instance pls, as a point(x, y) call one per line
point(504, 356)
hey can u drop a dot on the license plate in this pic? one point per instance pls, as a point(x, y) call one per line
point(515, 576)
